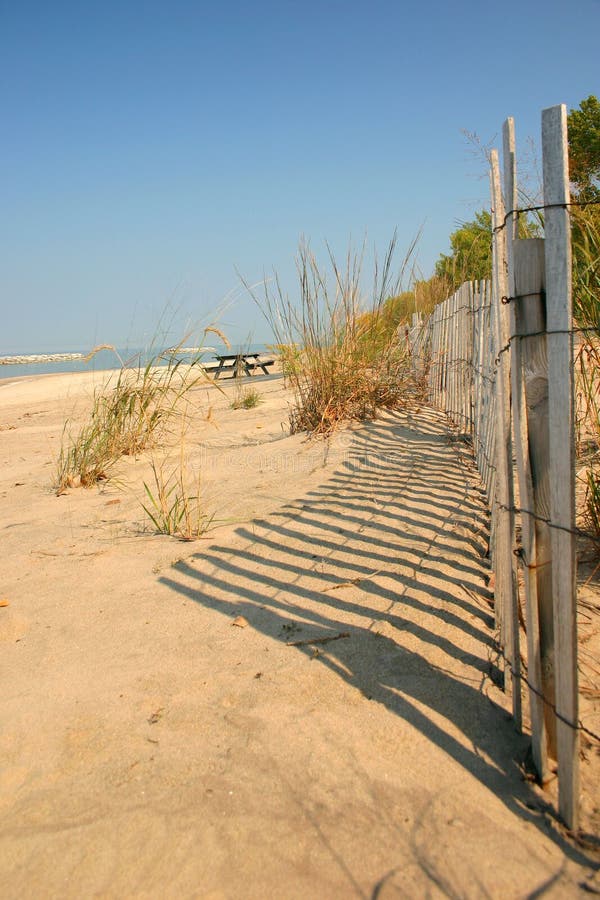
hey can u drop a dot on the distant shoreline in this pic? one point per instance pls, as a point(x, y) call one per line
point(30, 359)
point(26, 364)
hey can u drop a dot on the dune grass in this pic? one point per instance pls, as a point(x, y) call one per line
point(289, 358)
point(126, 418)
point(174, 502)
point(345, 362)
point(248, 398)
point(586, 312)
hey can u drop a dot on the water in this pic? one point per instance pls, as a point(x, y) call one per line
point(107, 360)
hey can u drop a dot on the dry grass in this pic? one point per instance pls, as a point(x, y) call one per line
point(290, 358)
point(174, 501)
point(125, 420)
point(346, 363)
point(586, 311)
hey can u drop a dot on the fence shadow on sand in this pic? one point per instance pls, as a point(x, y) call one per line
point(392, 550)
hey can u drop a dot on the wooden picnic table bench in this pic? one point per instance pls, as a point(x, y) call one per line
point(240, 363)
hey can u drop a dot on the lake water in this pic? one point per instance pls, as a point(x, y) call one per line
point(106, 360)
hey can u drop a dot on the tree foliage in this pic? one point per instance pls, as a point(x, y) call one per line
point(584, 171)
point(398, 310)
point(584, 148)
point(471, 252)
point(470, 256)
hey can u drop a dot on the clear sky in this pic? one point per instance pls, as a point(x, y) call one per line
point(148, 149)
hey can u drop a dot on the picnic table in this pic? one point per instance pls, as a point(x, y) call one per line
point(240, 363)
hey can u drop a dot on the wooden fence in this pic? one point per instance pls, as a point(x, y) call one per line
point(501, 367)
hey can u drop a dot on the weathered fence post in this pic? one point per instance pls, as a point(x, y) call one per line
point(477, 357)
point(530, 415)
point(487, 418)
point(467, 345)
point(436, 362)
point(504, 563)
point(491, 431)
point(434, 373)
point(444, 355)
point(562, 451)
point(452, 330)
point(478, 378)
point(472, 373)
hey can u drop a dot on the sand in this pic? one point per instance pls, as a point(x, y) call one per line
point(303, 703)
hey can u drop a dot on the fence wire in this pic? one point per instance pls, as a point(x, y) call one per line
point(471, 384)
point(441, 368)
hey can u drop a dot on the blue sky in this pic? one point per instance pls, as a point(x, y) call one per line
point(149, 149)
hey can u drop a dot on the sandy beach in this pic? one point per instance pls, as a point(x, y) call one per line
point(303, 703)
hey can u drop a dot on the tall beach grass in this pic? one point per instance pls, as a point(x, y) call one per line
point(127, 417)
point(586, 313)
point(173, 501)
point(343, 361)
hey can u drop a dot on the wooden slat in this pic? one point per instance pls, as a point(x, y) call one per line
point(529, 377)
point(562, 452)
point(444, 356)
point(479, 383)
point(451, 355)
point(458, 355)
point(449, 349)
point(501, 523)
point(457, 364)
point(470, 408)
point(462, 357)
point(460, 352)
point(505, 571)
point(467, 345)
point(490, 433)
point(438, 357)
point(474, 375)
point(485, 363)
point(465, 376)
point(476, 391)
point(433, 365)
